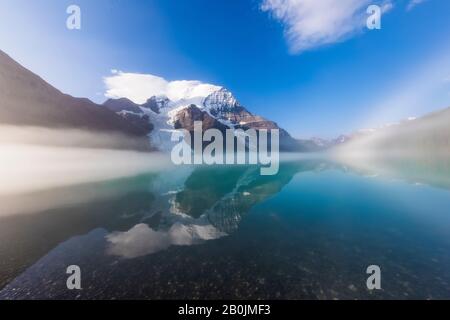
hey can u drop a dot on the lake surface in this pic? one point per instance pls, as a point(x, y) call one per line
point(309, 232)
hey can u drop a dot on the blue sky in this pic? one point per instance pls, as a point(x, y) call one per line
point(270, 59)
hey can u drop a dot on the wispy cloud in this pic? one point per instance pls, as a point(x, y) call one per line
point(312, 23)
point(140, 87)
point(413, 3)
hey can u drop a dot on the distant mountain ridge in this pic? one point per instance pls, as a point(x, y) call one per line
point(426, 135)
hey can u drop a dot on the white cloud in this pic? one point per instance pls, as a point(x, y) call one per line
point(184, 89)
point(312, 23)
point(140, 87)
point(413, 3)
point(134, 86)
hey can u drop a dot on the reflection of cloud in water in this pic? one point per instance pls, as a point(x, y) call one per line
point(142, 240)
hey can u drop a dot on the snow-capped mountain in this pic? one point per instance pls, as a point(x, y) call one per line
point(156, 104)
point(215, 106)
point(178, 104)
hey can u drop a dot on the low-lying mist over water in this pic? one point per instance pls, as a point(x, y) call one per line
point(38, 158)
point(69, 137)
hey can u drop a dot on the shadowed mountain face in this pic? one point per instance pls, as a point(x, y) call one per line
point(27, 100)
point(186, 118)
point(123, 104)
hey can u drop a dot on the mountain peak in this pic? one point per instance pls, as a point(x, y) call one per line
point(122, 104)
point(221, 99)
point(156, 103)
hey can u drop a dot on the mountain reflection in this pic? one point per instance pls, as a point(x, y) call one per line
point(143, 215)
point(209, 205)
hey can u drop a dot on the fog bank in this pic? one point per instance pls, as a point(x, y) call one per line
point(34, 159)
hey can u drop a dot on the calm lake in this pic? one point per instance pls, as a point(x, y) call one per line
point(309, 232)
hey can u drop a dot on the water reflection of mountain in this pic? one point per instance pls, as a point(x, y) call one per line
point(211, 203)
point(139, 213)
point(225, 194)
point(140, 228)
point(147, 214)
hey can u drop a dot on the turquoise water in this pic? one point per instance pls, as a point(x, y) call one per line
point(309, 232)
